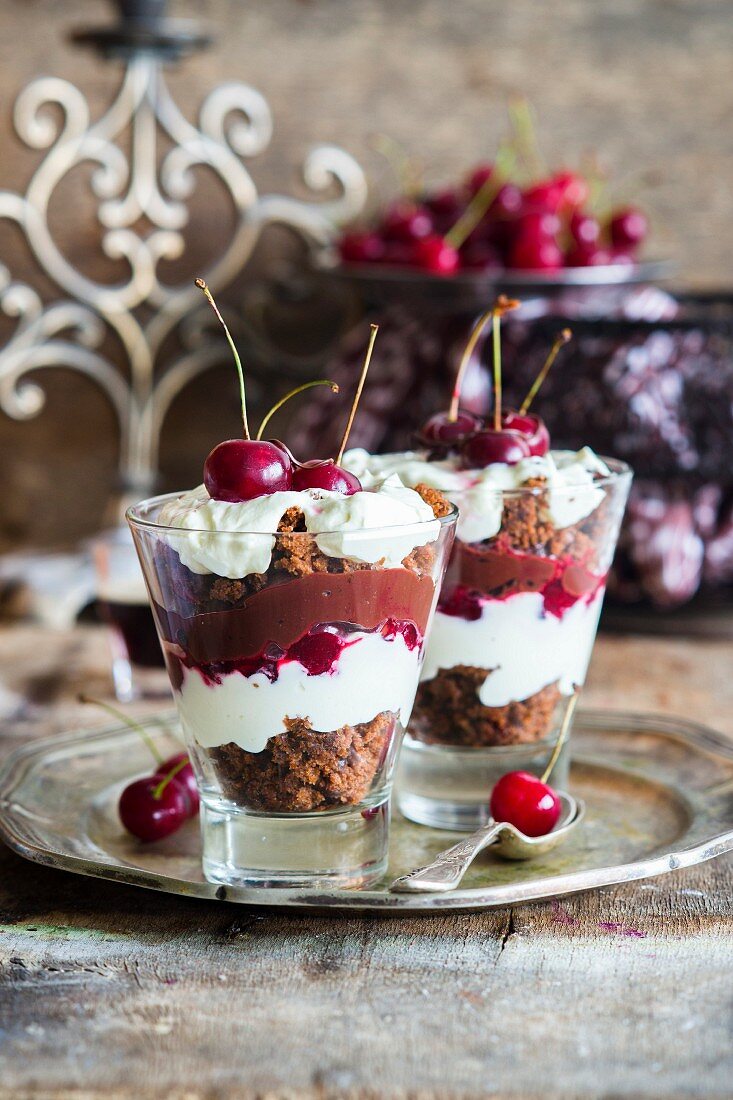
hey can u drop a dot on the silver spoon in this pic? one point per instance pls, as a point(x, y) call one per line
point(448, 868)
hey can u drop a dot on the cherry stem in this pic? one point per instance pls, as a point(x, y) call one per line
point(563, 736)
point(357, 395)
point(560, 342)
point(501, 306)
point(129, 722)
point(461, 230)
point(293, 393)
point(404, 167)
point(468, 351)
point(521, 117)
point(158, 791)
point(210, 299)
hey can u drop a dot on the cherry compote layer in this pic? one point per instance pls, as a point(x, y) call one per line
point(317, 652)
point(480, 574)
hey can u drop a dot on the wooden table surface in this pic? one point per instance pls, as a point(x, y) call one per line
point(111, 990)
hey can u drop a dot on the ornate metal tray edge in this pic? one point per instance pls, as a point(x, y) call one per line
point(15, 831)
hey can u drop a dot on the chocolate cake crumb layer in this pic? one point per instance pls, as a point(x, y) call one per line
point(188, 594)
point(448, 711)
point(304, 770)
point(527, 527)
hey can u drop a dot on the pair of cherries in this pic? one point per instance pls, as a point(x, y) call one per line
point(521, 435)
point(242, 469)
point(158, 805)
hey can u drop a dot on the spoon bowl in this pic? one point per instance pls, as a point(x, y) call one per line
point(511, 843)
point(448, 868)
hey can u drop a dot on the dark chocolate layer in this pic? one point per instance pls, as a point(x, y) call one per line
point(283, 613)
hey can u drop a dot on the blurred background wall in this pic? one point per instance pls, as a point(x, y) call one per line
point(645, 83)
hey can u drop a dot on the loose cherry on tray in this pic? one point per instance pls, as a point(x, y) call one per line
point(151, 809)
point(179, 766)
point(523, 800)
point(527, 801)
point(155, 806)
point(325, 475)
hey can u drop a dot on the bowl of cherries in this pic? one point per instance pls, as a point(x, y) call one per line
point(510, 221)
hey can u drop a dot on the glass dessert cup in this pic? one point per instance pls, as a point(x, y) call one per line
point(138, 668)
point(510, 643)
point(294, 683)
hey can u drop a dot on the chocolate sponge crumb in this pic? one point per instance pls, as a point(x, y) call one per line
point(448, 711)
point(304, 770)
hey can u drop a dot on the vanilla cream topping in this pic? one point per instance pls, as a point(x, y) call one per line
point(384, 524)
point(569, 476)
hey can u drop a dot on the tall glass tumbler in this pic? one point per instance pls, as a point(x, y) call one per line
point(294, 685)
point(511, 641)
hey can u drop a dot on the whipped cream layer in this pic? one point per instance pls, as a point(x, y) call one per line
point(569, 476)
point(234, 540)
point(525, 648)
point(372, 674)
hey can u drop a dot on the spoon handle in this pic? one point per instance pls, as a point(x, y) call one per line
point(447, 869)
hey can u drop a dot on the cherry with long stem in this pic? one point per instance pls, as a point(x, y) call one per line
point(293, 393)
point(501, 306)
point(201, 284)
point(406, 172)
point(136, 727)
point(357, 395)
point(468, 351)
point(525, 134)
point(559, 343)
point(562, 738)
point(481, 201)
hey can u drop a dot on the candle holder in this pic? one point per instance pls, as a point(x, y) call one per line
point(143, 199)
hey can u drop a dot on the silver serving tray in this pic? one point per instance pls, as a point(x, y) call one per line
point(659, 793)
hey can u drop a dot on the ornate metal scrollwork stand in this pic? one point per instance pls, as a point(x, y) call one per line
point(142, 208)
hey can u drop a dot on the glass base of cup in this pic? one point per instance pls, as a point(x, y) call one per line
point(449, 788)
point(344, 848)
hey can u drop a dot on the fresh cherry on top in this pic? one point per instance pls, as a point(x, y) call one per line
point(490, 446)
point(532, 428)
point(325, 475)
point(239, 470)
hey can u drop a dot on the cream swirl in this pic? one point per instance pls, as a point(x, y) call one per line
point(381, 524)
point(569, 477)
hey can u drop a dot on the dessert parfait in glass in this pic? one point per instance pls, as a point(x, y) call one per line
point(519, 608)
point(292, 607)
